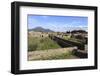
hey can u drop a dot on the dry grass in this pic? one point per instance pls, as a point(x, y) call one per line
point(41, 43)
point(62, 53)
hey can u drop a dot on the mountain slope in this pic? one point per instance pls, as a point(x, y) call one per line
point(40, 29)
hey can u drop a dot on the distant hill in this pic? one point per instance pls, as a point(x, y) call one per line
point(40, 29)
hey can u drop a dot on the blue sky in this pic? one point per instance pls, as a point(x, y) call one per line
point(58, 23)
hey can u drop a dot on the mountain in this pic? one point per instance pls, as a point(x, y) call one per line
point(40, 29)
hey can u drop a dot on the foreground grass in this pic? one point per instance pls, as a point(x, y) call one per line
point(61, 53)
point(41, 43)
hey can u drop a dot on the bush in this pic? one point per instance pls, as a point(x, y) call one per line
point(32, 47)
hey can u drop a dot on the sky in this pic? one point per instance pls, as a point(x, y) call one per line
point(58, 23)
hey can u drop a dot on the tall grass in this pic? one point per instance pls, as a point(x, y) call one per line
point(80, 41)
point(61, 53)
point(41, 43)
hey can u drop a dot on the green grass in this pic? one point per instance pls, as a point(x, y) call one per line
point(41, 43)
point(73, 39)
point(66, 37)
point(77, 40)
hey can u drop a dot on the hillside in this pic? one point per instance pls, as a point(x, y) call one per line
point(40, 29)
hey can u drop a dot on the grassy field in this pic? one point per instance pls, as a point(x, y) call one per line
point(73, 39)
point(41, 43)
point(61, 53)
point(43, 48)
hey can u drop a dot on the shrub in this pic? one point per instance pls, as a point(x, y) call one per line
point(32, 47)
